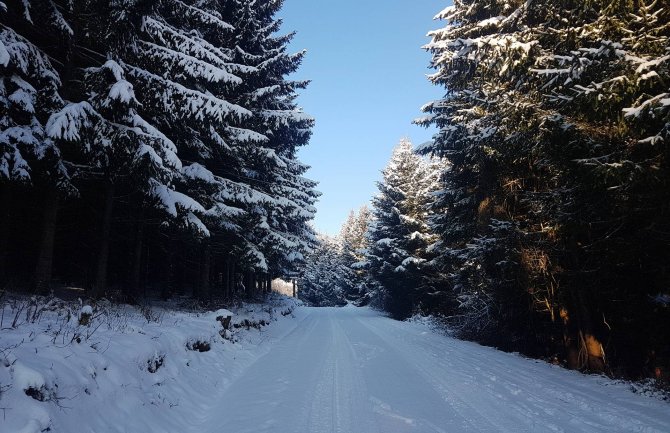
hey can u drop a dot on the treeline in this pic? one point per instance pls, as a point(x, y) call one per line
point(554, 227)
point(380, 254)
point(150, 145)
point(547, 228)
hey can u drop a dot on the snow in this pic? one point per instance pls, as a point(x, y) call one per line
point(199, 172)
point(191, 66)
point(122, 91)
point(115, 69)
point(259, 93)
point(171, 199)
point(663, 100)
point(662, 298)
point(446, 13)
point(312, 370)
point(103, 383)
point(246, 135)
point(197, 224)
point(412, 261)
point(646, 65)
point(69, 123)
point(191, 45)
point(647, 76)
point(4, 55)
point(24, 95)
point(196, 105)
point(26, 377)
point(169, 148)
point(353, 370)
point(146, 150)
point(205, 17)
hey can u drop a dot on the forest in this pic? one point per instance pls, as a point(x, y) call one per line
point(538, 219)
point(150, 147)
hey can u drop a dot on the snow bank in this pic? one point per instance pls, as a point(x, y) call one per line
point(126, 369)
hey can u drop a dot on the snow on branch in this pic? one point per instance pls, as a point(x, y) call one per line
point(190, 103)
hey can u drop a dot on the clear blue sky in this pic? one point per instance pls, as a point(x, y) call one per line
point(368, 75)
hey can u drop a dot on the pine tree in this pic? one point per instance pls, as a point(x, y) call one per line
point(279, 231)
point(548, 159)
point(398, 235)
point(167, 122)
point(325, 276)
point(30, 92)
point(353, 234)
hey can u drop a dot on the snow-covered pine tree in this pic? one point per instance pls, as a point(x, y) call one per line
point(179, 63)
point(542, 130)
point(354, 247)
point(325, 275)
point(29, 94)
point(607, 89)
point(159, 80)
point(399, 234)
point(433, 281)
point(353, 233)
point(116, 149)
point(279, 228)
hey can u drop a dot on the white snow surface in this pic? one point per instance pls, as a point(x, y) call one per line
point(103, 384)
point(4, 55)
point(315, 370)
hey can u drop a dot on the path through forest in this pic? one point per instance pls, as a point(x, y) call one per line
point(353, 370)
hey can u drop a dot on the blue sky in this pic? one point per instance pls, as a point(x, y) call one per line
point(369, 81)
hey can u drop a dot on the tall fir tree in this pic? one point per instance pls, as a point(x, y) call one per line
point(163, 120)
point(326, 275)
point(542, 222)
point(353, 235)
point(398, 235)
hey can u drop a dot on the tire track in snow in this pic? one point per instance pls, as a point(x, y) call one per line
point(520, 394)
point(352, 370)
point(464, 421)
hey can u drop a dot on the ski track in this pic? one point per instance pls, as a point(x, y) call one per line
point(353, 370)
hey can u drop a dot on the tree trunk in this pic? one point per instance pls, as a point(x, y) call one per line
point(135, 282)
point(269, 284)
point(233, 279)
point(5, 221)
point(103, 256)
point(168, 284)
point(294, 288)
point(251, 280)
point(226, 279)
point(45, 259)
point(205, 270)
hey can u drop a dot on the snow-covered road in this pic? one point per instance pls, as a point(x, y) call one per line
point(352, 370)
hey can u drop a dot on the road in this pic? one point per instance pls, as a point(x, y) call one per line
point(353, 370)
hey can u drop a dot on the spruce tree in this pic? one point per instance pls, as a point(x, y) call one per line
point(542, 205)
point(326, 275)
point(30, 92)
point(353, 235)
point(398, 234)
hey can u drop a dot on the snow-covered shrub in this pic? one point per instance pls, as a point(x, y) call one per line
point(197, 345)
point(155, 362)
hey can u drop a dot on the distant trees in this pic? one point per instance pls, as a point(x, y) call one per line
point(150, 144)
point(353, 236)
point(382, 255)
point(326, 276)
point(553, 220)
